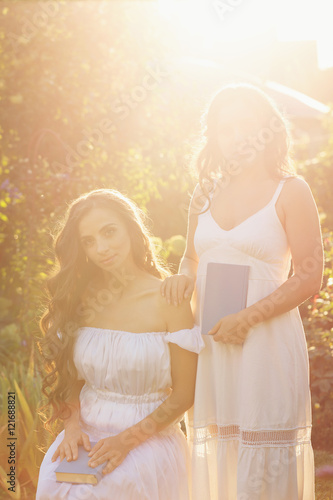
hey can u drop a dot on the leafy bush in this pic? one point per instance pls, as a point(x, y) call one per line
point(318, 173)
point(46, 109)
point(317, 315)
point(25, 381)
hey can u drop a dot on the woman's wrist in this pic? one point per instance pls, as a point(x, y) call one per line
point(189, 274)
point(72, 422)
point(130, 438)
point(188, 268)
point(250, 316)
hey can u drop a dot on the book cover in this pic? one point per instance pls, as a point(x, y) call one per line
point(225, 292)
point(78, 471)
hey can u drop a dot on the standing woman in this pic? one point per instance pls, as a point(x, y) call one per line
point(250, 428)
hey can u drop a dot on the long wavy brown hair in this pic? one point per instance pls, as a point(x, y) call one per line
point(208, 161)
point(72, 275)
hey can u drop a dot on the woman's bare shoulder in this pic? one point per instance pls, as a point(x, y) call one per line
point(296, 189)
point(298, 204)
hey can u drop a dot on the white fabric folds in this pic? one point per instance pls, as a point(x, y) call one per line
point(189, 339)
point(250, 428)
point(127, 376)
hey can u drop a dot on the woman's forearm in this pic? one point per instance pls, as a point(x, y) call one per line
point(289, 295)
point(172, 408)
point(74, 419)
point(188, 267)
point(74, 404)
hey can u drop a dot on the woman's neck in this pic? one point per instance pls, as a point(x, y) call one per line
point(250, 175)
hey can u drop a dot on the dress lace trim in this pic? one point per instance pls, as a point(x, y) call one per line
point(258, 438)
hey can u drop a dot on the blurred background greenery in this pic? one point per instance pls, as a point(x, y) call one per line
point(104, 94)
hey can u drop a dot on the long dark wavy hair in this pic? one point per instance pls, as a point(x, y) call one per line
point(72, 275)
point(208, 161)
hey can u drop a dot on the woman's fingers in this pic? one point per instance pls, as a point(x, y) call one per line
point(68, 452)
point(62, 453)
point(181, 291)
point(189, 290)
point(176, 285)
point(70, 449)
point(215, 330)
point(95, 449)
point(112, 464)
point(174, 292)
point(167, 290)
point(74, 450)
point(86, 442)
point(108, 468)
point(56, 454)
point(95, 459)
point(176, 288)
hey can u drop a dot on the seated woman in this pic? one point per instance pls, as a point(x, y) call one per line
point(120, 361)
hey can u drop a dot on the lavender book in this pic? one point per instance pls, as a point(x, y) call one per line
point(78, 471)
point(225, 292)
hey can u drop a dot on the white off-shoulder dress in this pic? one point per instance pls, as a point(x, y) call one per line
point(250, 427)
point(127, 376)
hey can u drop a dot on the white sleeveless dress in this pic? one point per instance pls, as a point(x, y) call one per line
point(127, 376)
point(250, 426)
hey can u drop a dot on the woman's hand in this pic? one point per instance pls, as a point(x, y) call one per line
point(112, 449)
point(232, 329)
point(177, 287)
point(68, 447)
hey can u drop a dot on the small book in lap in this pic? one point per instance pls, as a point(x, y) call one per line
point(78, 471)
point(225, 292)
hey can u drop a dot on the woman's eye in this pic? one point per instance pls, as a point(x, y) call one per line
point(109, 231)
point(87, 243)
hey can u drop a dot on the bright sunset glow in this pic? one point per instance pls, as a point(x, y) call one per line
point(203, 22)
point(166, 243)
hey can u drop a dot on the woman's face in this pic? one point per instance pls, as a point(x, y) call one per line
point(238, 129)
point(105, 239)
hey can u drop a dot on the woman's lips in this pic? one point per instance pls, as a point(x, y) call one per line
point(108, 260)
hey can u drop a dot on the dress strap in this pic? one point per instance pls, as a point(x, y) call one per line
point(279, 189)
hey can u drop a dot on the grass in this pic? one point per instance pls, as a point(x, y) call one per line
point(324, 486)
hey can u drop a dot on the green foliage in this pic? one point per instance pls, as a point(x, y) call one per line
point(59, 82)
point(318, 173)
point(171, 250)
point(77, 115)
point(10, 343)
point(25, 381)
point(324, 485)
point(317, 315)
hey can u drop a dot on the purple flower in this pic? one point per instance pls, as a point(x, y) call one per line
point(5, 184)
